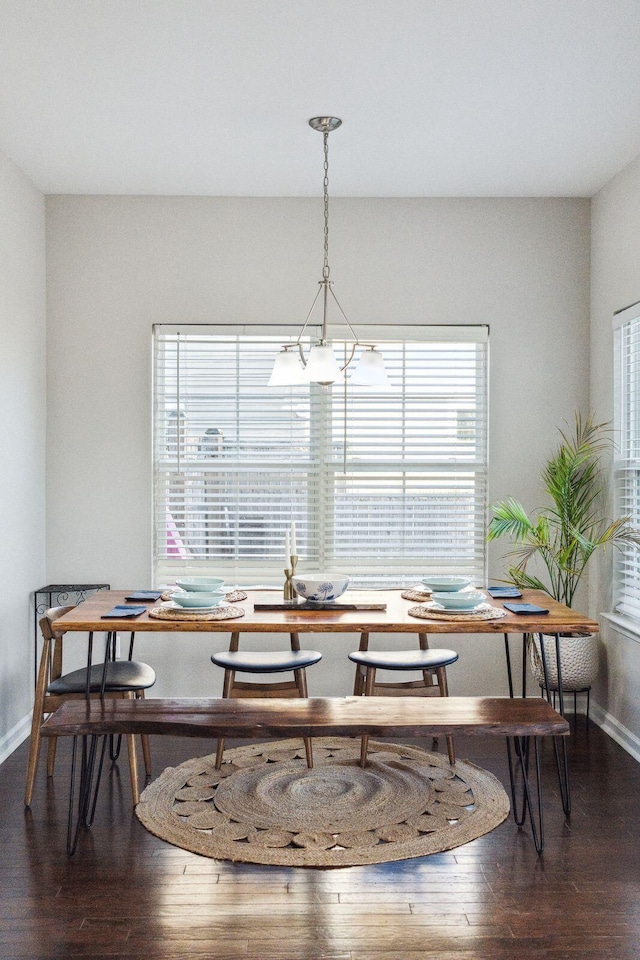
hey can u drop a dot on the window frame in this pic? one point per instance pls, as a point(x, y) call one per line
point(478, 468)
point(625, 467)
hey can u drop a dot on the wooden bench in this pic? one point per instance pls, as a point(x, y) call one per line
point(315, 717)
point(331, 716)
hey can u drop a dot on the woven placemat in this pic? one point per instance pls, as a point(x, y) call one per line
point(181, 613)
point(486, 612)
point(415, 593)
point(232, 597)
point(265, 806)
point(235, 596)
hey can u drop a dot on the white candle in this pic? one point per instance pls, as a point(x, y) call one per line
point(287, 548)
point(294, 550)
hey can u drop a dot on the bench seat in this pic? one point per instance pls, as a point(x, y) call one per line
point(314, 717)
point(524, 720)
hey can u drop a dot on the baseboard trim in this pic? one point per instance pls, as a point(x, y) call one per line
point(17, 735)
point(616, 730)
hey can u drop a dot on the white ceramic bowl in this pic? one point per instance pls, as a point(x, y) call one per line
point(201, 584)
point(459, 600)
point(319, 587)
point(198, 599)
point(446, 584)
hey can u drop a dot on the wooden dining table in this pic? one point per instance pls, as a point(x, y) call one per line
point(88, 616)
point(394, 618)
point(298, 618)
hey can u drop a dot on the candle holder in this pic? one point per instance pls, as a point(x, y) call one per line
point(289, 592)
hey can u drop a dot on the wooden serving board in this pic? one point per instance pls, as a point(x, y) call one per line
point(282, 605)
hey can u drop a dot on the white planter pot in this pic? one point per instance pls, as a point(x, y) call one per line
point(578, 660)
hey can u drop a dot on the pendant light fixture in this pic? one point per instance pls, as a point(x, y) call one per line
point(291, 367)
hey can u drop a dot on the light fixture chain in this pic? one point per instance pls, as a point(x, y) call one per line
point(325, 185)
point(322, 367)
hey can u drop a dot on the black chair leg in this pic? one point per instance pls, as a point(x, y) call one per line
point(229, 677)
point(301, 683)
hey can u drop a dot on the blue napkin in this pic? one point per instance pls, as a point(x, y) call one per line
point(120, 612)
point(526, 608)
point(144, 595)
point(504, 592)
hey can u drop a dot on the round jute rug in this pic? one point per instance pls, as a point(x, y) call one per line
point(265, 806)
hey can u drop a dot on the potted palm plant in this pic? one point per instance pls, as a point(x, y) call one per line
point(561, 539)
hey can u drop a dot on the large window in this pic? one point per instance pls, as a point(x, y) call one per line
point(383, 485)
point(627, 463)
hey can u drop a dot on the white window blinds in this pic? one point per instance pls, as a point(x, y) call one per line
point(627, 462)
point(383, 485)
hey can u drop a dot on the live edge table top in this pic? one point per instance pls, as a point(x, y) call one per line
point(87, 616)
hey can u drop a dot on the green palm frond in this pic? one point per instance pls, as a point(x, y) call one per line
point(524, 580)
point(615, 532)
point(565, 535)
point(510, 520)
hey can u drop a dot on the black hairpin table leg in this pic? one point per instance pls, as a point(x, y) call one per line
point(518, 742)
point(559, 743)
point(115, 743)
point(507, 655)
point(87, 798)
point(72, 831)
point(522, 749)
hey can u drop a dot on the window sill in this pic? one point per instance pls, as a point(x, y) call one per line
point(630, 628)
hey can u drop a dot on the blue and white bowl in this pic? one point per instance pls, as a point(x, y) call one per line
point(459, 599)
point(201, 584)
point(321, 587)
point(446, 584)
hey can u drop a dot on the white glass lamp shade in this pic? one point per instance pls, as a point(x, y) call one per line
point(287, 370)
point(370, 371)
point(322, 366)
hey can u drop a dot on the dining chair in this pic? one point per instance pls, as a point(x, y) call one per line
point(294, 660)
point(431, 663)
point(124, 679)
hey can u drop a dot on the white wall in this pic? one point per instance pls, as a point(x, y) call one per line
point(118, 264)
point(22, 440)
point(615, 283)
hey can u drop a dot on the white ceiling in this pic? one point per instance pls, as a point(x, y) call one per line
point(212, 97)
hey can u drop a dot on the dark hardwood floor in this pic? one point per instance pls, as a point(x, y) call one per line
point(128, 894)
